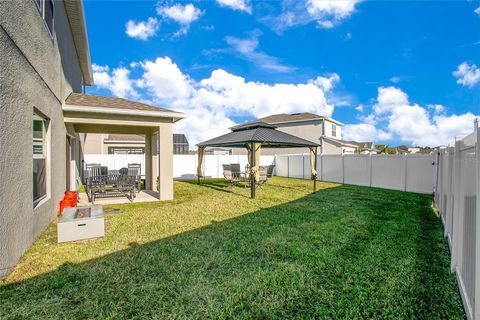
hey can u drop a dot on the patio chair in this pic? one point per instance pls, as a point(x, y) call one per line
point(262, 175)
point(270, 171)
point(135, 170)
point(241, 176)
point(88, 170)
point(229, 176)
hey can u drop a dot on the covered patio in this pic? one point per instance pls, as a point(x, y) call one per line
point(85, 113)
point(254, 136)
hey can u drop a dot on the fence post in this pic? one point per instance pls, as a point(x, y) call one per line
point(371, 166)
point(476, 275)
point(288, 166)
point(456, 214)
point(405, 162)
point(343, 168)
point(321, 167)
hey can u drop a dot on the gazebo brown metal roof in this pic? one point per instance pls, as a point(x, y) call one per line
point(259, 134)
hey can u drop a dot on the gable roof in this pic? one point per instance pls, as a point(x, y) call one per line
point(290, 118)
point(258, 133)
point(80, 102)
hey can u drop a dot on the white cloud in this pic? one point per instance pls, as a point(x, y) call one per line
point(467, 74)
point(247, 49)
point(477, 11)
point(326, 13)
point(326, 83)
point(117, 81)
point(164, 80)
point(181, 14)
point(364, 132)
point(409, 122)
point(360, 108)
point(211, 102)
point(240, 5)
point(143, 29)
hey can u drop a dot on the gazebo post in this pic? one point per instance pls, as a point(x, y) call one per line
point(252, 174)
point(315, 176)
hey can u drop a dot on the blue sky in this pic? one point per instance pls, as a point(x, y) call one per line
point(392, 71)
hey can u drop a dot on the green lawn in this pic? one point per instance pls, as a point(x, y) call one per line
point(346, 252)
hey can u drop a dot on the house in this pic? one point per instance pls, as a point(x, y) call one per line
point(128, 144)
point(45, 66)
point(407, 149)
point(316, 128)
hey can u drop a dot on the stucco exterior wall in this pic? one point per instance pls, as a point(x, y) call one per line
point(93, 143)
point(36, 72)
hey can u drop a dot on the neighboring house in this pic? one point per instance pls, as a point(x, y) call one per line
point(305, 125)
point(364, 147)
point(45, 62)
point(319, 129)
point(218, 151)
point(338, 146)
point(128, 144)
point(407, 149)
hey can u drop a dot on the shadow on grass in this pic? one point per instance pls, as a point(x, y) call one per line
point(345, 252)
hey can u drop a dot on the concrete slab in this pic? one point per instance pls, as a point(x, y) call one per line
point(142, 196)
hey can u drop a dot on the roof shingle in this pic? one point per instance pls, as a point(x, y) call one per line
point(88, 100)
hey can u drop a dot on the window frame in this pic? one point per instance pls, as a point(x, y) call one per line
point(37, 115)
point(334, 130)
point(41, 11)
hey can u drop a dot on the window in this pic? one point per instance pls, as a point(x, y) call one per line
point(334, 130)
point(39, 158)
point(126, 150)
point(46, 9)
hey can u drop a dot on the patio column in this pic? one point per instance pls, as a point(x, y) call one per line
point(148, 162)
point(165, 161)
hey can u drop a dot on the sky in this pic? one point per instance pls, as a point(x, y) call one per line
point(394, 72)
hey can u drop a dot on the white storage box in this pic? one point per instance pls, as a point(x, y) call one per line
point(81, 223)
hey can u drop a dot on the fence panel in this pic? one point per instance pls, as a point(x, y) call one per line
point(420, 173)
point(357, 169)
point(332, 168)
point(456, 198)
point(388, 171)
point(295, 167)
point(184, 165)
point(281, 166)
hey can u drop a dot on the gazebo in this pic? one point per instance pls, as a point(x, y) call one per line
point(254, 136)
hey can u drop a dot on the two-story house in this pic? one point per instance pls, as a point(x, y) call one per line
point(44, 64)
point(316, 128)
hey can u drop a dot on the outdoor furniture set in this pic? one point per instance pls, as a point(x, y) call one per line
point(233, 174)
point(100, 183)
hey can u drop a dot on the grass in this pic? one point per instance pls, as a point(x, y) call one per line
point(345, 252)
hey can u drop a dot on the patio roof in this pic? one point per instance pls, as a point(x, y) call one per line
point(258, 132)
point(91, 104)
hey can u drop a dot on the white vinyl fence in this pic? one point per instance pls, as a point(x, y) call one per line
point(411, 172)
point(184, 165)
point(458, 191)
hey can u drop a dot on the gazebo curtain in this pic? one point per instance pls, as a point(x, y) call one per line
point(201, 154)
point(313, 171)
point(254, 167)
